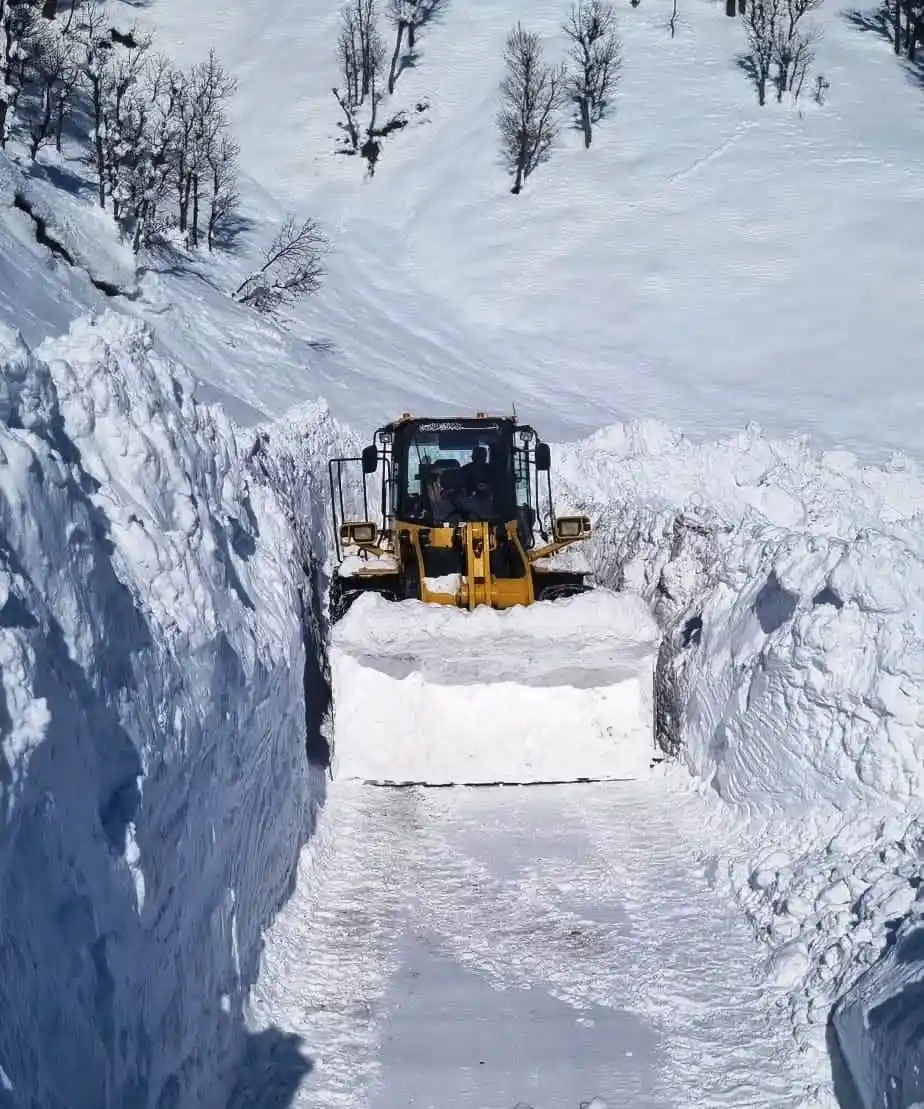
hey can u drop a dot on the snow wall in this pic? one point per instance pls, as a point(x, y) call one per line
point(882, 1021)
point(790, 587)
point(154, 787)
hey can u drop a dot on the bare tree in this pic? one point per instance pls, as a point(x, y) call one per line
point(349, 55)
point(407, 17)
point(532, 92)
point(794, 45)
point(222, 159)
point(424, 12)
point(292, 267)
point(56, 73)
point(211, 89)
point(914, 28)
point(781, 44)
point(361, 55)
point(595, 58)
point(147, 137)
point(400, 14)
point(372, 48)
point(19, 23)
point(761, 22)
point(110, 63)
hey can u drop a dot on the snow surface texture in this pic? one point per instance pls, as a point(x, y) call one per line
point(791, 584)
point(554, 692)
point(153, 778)
point(486, 948)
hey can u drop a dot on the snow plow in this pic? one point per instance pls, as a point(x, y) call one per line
point(458, 519)
point(497, 666)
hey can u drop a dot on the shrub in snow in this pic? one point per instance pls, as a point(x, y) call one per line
point(292, 267)
point(154, 789)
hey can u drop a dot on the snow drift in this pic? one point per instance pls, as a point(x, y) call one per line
point(881, 1021)
point(153, 778)
point(791, 586)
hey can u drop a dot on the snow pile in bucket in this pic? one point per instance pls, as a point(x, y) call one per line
point(553, 692)
point(153, 785)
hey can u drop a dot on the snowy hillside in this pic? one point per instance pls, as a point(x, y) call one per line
point(706, 263)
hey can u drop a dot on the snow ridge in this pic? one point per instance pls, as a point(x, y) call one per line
point(153, 784)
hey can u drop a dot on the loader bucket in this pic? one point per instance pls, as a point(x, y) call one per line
point(558, 691)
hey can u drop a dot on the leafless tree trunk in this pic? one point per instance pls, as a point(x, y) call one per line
point(793, 45)
point(594, 59)
point(400, 14)
point(531, 93)
point(349, 111)
point(762, 25)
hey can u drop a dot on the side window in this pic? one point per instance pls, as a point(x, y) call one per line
point(522, 476)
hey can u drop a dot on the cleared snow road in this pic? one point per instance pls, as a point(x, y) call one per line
point(472, 947)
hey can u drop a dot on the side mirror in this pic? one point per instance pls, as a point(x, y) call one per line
point(543, 457)
point(357, 533)
point(572, 527)
point(370, 459)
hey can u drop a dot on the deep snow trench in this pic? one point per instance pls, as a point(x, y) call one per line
point(156, 796)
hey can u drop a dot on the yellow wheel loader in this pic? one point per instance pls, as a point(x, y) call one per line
point(469, 682)
point(458, 519)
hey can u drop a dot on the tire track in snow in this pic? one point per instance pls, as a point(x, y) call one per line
point(331, 953)
point(595, 895)
point(726, 1039)
point(512, 929)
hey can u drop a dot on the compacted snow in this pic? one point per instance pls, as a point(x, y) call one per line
point(554, 692)
point(541, 946)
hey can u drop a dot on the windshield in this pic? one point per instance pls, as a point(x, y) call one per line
point(448, 472)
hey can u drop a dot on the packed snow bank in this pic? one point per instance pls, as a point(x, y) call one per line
point(790, 586)
point(557, 691)
point(153, 779)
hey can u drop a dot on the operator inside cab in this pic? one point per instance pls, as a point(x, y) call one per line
point(462, 493)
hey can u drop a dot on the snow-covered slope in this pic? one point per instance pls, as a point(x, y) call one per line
point(153, 777)
point(706, 262)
